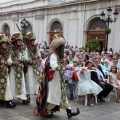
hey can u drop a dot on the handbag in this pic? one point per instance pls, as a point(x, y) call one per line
point(50, 75)
point(75, 77)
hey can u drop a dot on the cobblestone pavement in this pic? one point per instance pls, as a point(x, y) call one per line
point(102, 111)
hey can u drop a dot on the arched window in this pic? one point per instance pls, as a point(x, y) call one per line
point(97, 24)
point(6, 30)
point(56, 25)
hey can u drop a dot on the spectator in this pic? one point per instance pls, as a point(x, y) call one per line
point(110, 51)
point(113, 80)
point(106, 65)
point(70, 58)
point(95, 76)
point(85, 85)
point(68, 78)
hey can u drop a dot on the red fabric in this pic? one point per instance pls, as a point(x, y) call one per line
point(75, 77)
point(50, 75)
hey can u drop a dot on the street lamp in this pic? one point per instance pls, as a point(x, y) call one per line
point(109, 19)
point(24, 26)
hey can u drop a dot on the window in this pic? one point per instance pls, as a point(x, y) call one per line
point(56, 25)
point(97, 36)
point(97, 24)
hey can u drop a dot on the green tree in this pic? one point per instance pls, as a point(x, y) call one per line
point(92, 45)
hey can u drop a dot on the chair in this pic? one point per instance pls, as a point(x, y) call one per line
point(86, 100)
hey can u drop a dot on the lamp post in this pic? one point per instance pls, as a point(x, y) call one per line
point(24, 25)
point(108, 20)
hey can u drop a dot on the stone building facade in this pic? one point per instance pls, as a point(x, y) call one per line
point(78, 20)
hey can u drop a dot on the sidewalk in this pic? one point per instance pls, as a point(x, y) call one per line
point(102, 111)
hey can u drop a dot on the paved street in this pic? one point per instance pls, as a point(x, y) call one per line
point(102, 111)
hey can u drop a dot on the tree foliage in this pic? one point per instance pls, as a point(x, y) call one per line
point(92, 45)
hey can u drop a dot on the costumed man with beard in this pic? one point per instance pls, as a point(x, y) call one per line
point(5, 62)
point(52, 91)
point(17, 79)
point(32, 73)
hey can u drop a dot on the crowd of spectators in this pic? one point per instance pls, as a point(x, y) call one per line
point(91, 68)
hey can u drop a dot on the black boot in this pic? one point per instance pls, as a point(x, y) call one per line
point(70, 113)
point(10, 104)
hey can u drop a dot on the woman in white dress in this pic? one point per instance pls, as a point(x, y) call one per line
point(85, 85)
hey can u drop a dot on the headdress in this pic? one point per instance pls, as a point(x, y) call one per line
point(57, 41)
point(30, 36)
point(16, 36)
point(3, 38)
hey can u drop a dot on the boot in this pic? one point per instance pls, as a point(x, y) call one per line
point(10, 104)
point(70, 113)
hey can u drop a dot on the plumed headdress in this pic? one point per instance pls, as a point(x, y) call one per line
point(30, 36)
point(16, 36)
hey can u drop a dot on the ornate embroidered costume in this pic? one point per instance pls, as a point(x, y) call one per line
point(5, 62)
point(17, 78)
point(52, 94)
point(32, 62)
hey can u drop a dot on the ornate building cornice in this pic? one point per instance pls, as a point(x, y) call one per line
point(33, 5)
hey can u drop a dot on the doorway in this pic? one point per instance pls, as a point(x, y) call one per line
point(95, 31)
point(97, 35)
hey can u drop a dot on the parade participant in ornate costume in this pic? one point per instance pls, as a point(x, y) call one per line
point(52, 91)
point(5, 62)
point(17, 79)
point(32, 73)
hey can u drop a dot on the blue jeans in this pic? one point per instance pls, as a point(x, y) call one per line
point(71, 86)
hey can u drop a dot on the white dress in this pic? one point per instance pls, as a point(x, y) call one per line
point(86, 85)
